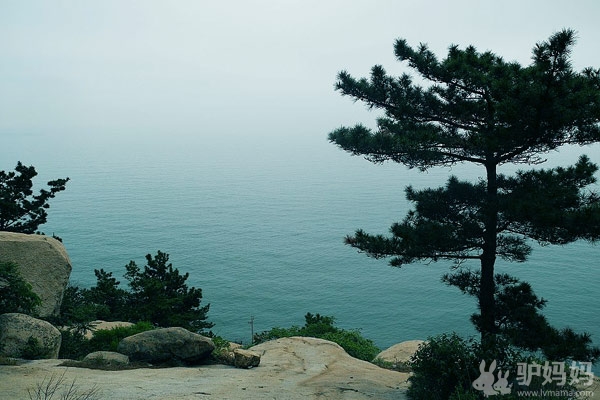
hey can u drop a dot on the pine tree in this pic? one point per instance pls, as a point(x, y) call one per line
point(20, 209)
point(477, 108)
point(159, 294)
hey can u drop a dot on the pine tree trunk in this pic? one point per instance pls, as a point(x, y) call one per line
point(488, 259)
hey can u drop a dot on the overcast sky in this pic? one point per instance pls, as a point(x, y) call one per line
point(259, 69)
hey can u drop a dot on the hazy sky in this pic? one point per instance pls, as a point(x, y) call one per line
point(259, 69)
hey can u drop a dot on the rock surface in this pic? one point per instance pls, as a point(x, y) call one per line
point(401, 352)
point(16, 331)
point(43, 262)
point(166, 344)
point(107, 358)
point(290, 369)
point(245, 358)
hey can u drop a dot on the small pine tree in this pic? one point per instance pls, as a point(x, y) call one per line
point(160, 295)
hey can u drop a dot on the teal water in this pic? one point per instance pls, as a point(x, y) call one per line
point(259, 225)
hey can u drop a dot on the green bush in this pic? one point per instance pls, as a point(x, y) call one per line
point(108, 339)
point(33, 350)
point(158, 293)
point(16, 295)
point(446, 366)
point(354, 344)
point(323, 327)
point(75, 345)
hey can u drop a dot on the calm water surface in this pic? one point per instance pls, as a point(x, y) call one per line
point(260, 226)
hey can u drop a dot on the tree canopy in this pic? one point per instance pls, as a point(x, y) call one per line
point(477, 108)
point(20, 209)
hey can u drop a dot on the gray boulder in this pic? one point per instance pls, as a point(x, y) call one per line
point(167, 345)
point(43, 262)
point(22, 336)
point(246, 358)
point(107, 358)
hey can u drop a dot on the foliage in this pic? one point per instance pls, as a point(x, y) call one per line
point(16, 295)
point(108, 339)
point(20, 209)
point(480, 109)
point(441, 365)
point(109, 300)
point(446, 365)
point(520, 323)
point(33, 350)
point(323, 327)
point(74, 344)
point(158, 294)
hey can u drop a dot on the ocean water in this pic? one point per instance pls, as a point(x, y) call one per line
point(259, 226)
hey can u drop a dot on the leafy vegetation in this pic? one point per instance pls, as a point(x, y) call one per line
point(20, 209)
point(477, 108)
point(108, 339)
point(158, 294)
point(446, 366)
point(323, 327)
point(75, 345)
point(33, 350)
point(16, 295)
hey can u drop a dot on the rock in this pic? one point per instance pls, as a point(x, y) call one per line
point(167, 344)
point(232, 346)
point(43, 262)
point(400, 352)
point(245, 358)
point(107, 358)
point(22, 336)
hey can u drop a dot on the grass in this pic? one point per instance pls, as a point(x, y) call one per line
point(56, 387)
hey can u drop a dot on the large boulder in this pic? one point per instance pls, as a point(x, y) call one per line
point(245, 358)
point(167, 345)
point(43, 262)
point(400, 352)
point(22, 336)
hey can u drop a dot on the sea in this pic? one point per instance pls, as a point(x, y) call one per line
point(259, 225)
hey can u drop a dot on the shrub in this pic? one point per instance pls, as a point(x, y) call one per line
point(323, 327)
point(56, 385)
point(74, 344)
point(443, 365)
point(354, 344)
point(158, 293)
point(16, 294)
point(446, 365)
point(108, 339)
point(33, 350)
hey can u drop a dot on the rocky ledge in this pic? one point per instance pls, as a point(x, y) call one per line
point(290, 368)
